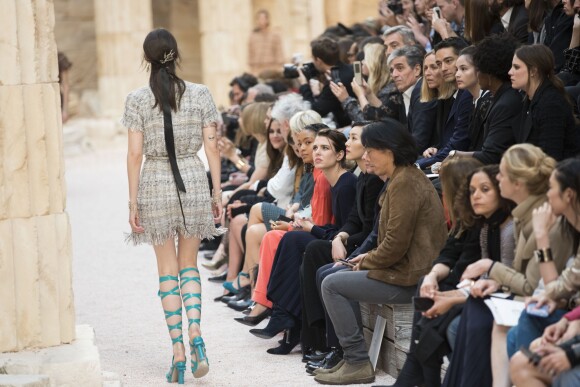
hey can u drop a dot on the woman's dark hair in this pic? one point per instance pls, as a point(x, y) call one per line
point(160, 51)
point(344, 45)
point(541, 58)
point(478, 20)
point(462, 204)
point(494, 55)
point(469, 51)
point(453, 173)
point(337, 140)
point(537, 12)
point(567, 176)
point(392, 135)
point(276, 156)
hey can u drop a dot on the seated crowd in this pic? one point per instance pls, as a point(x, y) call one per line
point(431, 152)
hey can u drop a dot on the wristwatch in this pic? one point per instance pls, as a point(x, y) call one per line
point(543, 255)
point(452, 153)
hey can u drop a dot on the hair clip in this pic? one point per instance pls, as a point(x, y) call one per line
point(167, 57)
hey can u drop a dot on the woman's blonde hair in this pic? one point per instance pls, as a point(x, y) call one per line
point(444, 91)
point(302, 119)
point(529, 165)
point(253, 117)
point(376, 61)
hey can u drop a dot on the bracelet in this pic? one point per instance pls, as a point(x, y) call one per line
point(132, 207)
point(543, 255)
point(216, 197)
point(240, 163)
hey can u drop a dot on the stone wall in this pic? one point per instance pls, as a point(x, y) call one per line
point(37, 308)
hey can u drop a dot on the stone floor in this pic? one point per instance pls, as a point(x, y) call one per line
point(116, 293)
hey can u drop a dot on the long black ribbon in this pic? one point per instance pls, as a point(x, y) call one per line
point(169, 139)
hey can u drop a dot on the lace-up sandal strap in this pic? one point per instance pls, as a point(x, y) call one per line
point(172, 292)
point(183, 271)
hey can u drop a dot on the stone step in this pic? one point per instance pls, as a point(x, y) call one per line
point(24, 381)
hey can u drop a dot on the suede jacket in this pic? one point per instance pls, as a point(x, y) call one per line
point(412, 230)
point(525, 275)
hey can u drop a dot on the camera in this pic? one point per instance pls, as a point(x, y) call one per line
point(396, 7)
point(308, 69)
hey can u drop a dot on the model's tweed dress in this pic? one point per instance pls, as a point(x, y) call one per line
point(157, 198)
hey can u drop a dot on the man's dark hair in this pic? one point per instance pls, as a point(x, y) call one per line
point(494, 55)
point(326, 50)
point(392, 135)
point(457, 44)
point(244, 81)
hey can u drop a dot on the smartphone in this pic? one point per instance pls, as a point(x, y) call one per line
point(437, 13)
point(347, 263)
point(284, 219)
point(357, 67)
point(422, 304)
point(534, 357)
point(539, 312)
point(335, 75)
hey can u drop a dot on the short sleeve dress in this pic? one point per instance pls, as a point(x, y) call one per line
point(158, 199)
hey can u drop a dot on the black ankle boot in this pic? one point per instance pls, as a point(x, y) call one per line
point(279, 321)
point(291, 339)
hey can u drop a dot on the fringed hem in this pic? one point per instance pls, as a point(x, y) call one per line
point(159, 238)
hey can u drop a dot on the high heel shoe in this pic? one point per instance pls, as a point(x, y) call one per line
point(230, 285)
point(177, 370)
point(275, 325)
point(254, 320)
point(218, 258)
point(291, 340)
point(200, 366)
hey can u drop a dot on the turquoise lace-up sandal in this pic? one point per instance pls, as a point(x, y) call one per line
point(229, 286)
point(176, 372)
point(199, 366)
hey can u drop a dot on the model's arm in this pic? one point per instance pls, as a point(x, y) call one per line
point(134, 160)
point(213, 157)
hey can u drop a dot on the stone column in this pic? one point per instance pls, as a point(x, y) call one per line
point(121, 27)
point(36, 307)
point(184, 25)
point(225, 27)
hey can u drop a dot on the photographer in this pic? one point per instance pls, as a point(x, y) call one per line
point(326, 61)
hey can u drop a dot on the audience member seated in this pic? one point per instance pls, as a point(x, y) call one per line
point(481, 198)
point(514, 18)
point(329, 152)
point(433, 88)
point(411, 233)
point(424, 359)
point(546, 119)
point(350, 236)
point(262, 215)
point(493, 58)
point(405, 66)
point(558, 363)
point(240, 86)
point(452, 125)
point(570, 72)
point(452, 21)
point(376, 98)
point(551, 24)
point(325, 56)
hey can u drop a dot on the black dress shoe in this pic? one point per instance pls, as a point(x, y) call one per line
point(219, 278)
point(209, 255)
point(332, 359)
point(241, 295)
point(291, 340)
point(210, 244)
point(247, 311)
point(240, 304)
point(314, 356)
point(254, 320)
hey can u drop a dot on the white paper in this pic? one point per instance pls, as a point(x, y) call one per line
point(505, 312)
